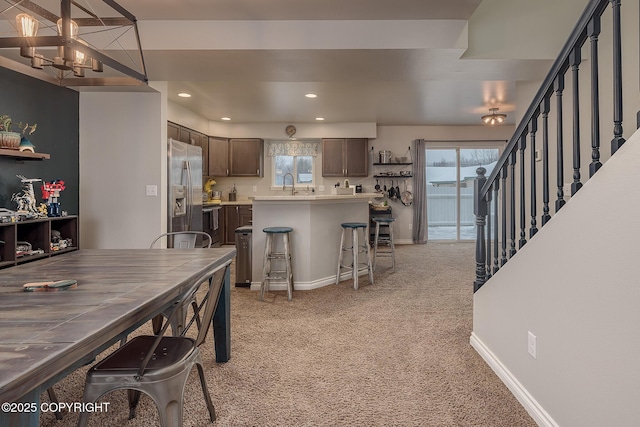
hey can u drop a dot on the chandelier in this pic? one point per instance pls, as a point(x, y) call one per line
point(70, 45)
point(494, 118)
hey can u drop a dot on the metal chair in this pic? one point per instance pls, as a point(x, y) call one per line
point(179, 240)
point(182, 239)
point(159, 365)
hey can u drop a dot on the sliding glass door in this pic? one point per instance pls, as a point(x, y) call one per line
point(450, 174)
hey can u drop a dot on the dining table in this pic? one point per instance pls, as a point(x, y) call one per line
point(47, 334)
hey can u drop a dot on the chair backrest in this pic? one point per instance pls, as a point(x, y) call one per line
point(210, 303)
point(183, 239)
point(215, 279)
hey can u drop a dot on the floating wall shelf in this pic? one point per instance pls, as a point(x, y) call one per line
point(23, 155)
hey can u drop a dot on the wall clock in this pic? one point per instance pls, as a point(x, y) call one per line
point(291, 130)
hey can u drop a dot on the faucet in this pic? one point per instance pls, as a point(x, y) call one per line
point(284, 183)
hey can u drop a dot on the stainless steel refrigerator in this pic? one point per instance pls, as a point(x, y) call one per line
point(184, 176)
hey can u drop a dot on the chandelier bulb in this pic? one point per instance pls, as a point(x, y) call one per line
point(27, 25)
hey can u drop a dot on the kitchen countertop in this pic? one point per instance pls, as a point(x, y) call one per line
point(227, 203)
point(318, 197)
point(297, 197)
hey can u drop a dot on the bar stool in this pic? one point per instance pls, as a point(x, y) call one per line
point(269, 255)
point(355, 249)
point(391, 253)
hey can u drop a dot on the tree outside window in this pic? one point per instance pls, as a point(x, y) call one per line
point(301, 167)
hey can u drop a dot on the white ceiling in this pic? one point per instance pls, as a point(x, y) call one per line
point(369, 61)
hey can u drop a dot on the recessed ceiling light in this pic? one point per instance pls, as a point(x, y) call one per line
point(311, 95)
point(225, 118)
point(184, 95)
point(319, 119)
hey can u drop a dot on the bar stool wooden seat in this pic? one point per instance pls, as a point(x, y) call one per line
point(389, 253)
point(268, 273)
point(356, 249)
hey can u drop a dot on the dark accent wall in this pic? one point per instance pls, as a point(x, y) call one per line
point(56, 111)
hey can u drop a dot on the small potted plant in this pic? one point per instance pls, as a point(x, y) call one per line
point(9, 138)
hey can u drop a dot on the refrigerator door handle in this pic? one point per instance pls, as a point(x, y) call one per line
point(189, 194)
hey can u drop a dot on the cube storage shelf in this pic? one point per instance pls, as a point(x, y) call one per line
point(38, 233)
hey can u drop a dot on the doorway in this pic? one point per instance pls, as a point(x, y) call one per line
point(450, 173)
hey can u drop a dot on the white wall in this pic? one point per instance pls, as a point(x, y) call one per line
point(575, 287)
point(510, 29)
point(121, 151)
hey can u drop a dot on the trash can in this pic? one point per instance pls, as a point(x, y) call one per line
point(243, 256)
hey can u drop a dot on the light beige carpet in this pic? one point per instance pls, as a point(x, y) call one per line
point(395, 353)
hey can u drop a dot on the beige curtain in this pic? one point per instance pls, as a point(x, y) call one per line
point(419, 192)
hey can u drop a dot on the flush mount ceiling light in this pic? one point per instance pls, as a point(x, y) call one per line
point(311, 95)
point(76, 39)
point(184, 95)
point(494, 118)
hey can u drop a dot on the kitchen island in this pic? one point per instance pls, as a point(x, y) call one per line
point(315, 240)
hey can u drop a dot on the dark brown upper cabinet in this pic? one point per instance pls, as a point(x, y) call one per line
point(189, 136)
point(246, 157)
point(236, 157)
point(218, 156)
point(345, 157)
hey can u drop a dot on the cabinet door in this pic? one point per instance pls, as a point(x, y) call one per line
point(333, 157)
point(230, 224)
point(185, 135)
point(218, 156)
point(245, 157)
point(245, 215)
point(202, 141)
point(173, 131)
point(357, 157)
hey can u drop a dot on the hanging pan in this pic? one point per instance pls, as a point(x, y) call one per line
point(406, 197)
point(392, 191)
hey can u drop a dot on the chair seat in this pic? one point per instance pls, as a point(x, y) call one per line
point(277, 230)
point(387, 220)
point(353, 225)
point(171, 350)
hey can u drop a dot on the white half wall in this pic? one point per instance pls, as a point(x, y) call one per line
point(575, 287)
point(122, 151)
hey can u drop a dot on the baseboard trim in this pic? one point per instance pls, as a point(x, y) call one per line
point(281, 285)
point(539, 415)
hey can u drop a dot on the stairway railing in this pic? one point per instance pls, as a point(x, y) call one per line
point(503, 195)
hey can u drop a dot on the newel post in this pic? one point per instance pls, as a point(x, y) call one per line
point(480, 211)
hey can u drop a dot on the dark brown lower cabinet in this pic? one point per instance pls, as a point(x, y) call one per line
point(212, 224)
point(235, 216)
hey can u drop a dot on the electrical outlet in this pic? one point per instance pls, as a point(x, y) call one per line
point(255, 188)
point(532, 345)
point(151, 190)
point(321, 188)
point(410, 226)
point(538, 155)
